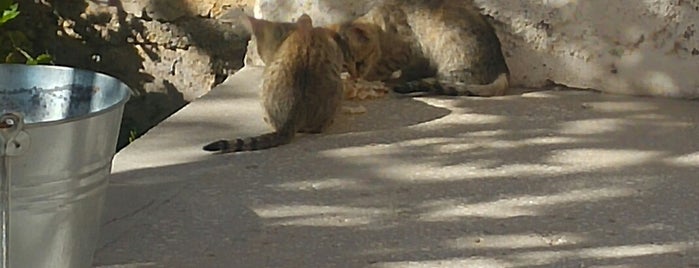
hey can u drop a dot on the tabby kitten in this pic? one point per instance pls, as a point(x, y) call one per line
point(371, 53)
point(451, 47)
point(301, 87)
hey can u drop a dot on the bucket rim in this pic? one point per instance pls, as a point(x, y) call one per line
point(108, 109)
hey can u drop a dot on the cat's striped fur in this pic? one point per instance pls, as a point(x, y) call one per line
point(301, 87)
point(371, 53)
point(451, 47)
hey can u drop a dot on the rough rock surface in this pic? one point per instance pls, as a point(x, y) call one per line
point(629, 47)
point(169, 52)
point(626, 46)
point(323, 12)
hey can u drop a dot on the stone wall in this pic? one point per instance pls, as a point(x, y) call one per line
point(625, 46)
point(168, 51)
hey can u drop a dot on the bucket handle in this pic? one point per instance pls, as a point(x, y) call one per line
point(13, 142)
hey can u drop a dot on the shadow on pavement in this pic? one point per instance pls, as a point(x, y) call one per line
point(544, 179)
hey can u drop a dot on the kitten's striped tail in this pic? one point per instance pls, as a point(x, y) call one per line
point(261, 142)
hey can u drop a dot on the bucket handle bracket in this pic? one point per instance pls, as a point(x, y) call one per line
point(13, 142)
point(14, 139)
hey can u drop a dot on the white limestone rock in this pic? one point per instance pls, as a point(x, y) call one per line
point(627, 46)
point(323, 12)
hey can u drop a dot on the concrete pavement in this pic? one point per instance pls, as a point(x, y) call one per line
point(539, 179)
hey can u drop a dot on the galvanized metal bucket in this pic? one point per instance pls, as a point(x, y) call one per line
point(58, 133)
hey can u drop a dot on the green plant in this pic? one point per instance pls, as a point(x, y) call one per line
point(9, 11)
point(13, 43)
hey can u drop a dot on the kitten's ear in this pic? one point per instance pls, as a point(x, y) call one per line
point(251, 24)
point(304, 22)
point(304, 18)
point(259, 27)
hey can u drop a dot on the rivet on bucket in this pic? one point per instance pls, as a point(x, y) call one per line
point(14, 139)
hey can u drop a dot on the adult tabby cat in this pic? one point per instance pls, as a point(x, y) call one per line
point(440, 46)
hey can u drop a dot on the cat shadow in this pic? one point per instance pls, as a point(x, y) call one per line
point(238, 100)
point(398, 110)
point(390, 112)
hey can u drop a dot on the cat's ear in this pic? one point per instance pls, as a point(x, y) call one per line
point(304, 19)
point(260, 28)
point(304, 22)
point(251, 24)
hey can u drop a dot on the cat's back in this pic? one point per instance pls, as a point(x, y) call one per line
point(288, 60)
point(307, 51)
point(323, 85)
point(282, 87)
point(324, 53)
point(305, 73)
point(454, 35)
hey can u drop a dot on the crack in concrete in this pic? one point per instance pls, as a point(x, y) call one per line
point(151, 204)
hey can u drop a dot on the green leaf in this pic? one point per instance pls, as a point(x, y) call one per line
point(8, 14)
point(44, 59)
